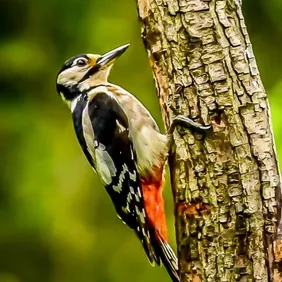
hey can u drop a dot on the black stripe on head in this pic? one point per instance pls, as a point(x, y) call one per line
point(70, 61)
point(92, 71)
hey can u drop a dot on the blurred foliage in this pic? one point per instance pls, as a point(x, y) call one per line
point(57, 223)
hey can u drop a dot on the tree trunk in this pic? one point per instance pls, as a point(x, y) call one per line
point(226, 183)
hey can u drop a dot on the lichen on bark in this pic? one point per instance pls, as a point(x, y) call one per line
point(226, 183)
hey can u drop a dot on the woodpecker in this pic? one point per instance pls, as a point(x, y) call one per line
point(124, 146)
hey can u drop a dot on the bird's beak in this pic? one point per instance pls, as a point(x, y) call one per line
point(108, 58)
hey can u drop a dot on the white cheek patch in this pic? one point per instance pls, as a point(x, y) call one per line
point(71, 76)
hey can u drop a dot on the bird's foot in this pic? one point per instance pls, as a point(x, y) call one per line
point(183, 120)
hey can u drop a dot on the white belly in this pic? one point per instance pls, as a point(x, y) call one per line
point(150, 149)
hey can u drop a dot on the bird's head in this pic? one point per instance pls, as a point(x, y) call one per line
point(81, 72)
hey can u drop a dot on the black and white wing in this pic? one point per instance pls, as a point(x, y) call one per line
point(103, 132)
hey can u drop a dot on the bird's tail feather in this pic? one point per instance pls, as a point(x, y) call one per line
point(148, 247)
point(168, 258)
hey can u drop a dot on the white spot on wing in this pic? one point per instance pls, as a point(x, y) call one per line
point(144, 232)
point(120, 127)
point(104, 164)
point(118, 187)
point(137, 210)
point(132, 176)
point(139, 192)
point(141, 216)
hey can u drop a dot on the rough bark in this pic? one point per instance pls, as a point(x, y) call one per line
point(226, 183)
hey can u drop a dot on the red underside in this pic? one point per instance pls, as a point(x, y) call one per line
point(154, 206)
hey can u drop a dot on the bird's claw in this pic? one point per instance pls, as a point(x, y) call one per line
point(181, 119)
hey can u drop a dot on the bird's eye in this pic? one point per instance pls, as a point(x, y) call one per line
point(81, 62)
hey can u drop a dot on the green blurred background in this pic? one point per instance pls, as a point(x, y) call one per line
point(56, 222)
